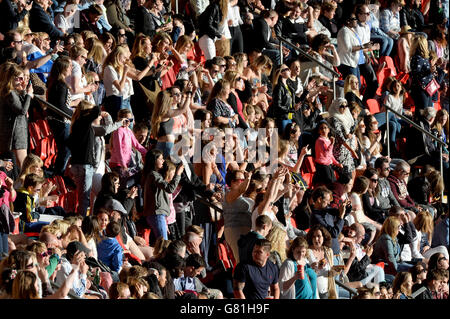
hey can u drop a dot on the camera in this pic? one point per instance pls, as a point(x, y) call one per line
point(348, 209)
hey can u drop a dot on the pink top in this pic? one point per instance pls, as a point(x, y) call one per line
point(324, 152)
point(172, 216)
point(6, 198)
point(123, 140)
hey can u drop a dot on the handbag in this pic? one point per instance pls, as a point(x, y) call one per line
point(432, 87)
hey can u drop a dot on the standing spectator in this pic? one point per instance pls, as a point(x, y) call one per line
point(342, 124)
point(403, 57)
point(209, 21)
point(156, 190)
point(81, 145)
point(58, 94)
point(422, 73)
point(364, 63)
point(322, 215)
point(41, 21)
point(13, 16)
point(16, 94)
point(263, 224)
point(253, 280)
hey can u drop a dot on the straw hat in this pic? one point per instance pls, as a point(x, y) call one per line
point(405, 29)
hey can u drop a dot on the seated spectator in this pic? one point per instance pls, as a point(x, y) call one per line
point(293, 284)
point(75, 255)
point(431, 286)
point(109, 250)
point(190, 282)
point(390, 19)
point(402, 285)
point(376, 34)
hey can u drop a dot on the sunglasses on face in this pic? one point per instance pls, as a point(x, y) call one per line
point(223, 65)
point(122, 35)
point(19, 42)
point(45, 254)
point(29, 266)
point(285, 69)
point(375, 180)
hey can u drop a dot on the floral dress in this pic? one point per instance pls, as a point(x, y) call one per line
point(340, 152)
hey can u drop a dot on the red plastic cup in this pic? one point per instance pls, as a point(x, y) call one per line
point(302, 271)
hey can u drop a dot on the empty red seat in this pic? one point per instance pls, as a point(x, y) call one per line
point(373, 106)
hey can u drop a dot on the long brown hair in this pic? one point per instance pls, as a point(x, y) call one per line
point(160, 110)
point(57, 72)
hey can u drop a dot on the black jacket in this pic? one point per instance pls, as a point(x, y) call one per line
point(209, 21)
point(282, 102)
point(143, 22)
point(259, 35)
point(295, 32)
point(57, 95)
point(357, 270)
point(10, 17)
point(40, 21)
point(82, 136)
point(191, 187)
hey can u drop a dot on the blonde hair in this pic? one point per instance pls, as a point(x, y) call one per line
point(419, 46)
point(30, 161)
point(61, 225)
point(77, 51)
point(390, 227)
point(231, 76)
point(277, 238)
point(112, 59)
point(23, 286)
point(262, 61)
point(424, 222)
point(239, 58)
point(348, 86)
point(138, 46)
point(97, 52)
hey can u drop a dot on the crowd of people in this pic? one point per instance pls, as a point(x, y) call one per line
point(155, 149)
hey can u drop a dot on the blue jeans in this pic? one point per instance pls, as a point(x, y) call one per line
point(4, 247)
point(281, 124)
point(158, 226)
point(394, 125)
point(165, 147)
point(274, 55)
point(82, 175)
point(386, 43)
point(347, 70)
point(127, 105)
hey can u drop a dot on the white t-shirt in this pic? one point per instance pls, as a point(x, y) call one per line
point(109, 76)
point(76, 72)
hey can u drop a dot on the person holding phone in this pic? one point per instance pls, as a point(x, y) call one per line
point(16, 93)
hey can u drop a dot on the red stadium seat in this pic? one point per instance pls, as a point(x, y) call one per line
point(373, 106)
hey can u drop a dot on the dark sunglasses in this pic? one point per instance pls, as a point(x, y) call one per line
point(45, 254)
point(29, 266)
point(122, 35)
point(375, 180)
point(97, 82)
point(19, 42)
point(285, 69)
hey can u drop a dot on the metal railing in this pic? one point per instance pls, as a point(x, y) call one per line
point(352, 291)
point(310, 57)
point(53, 108)
point(417, 127)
